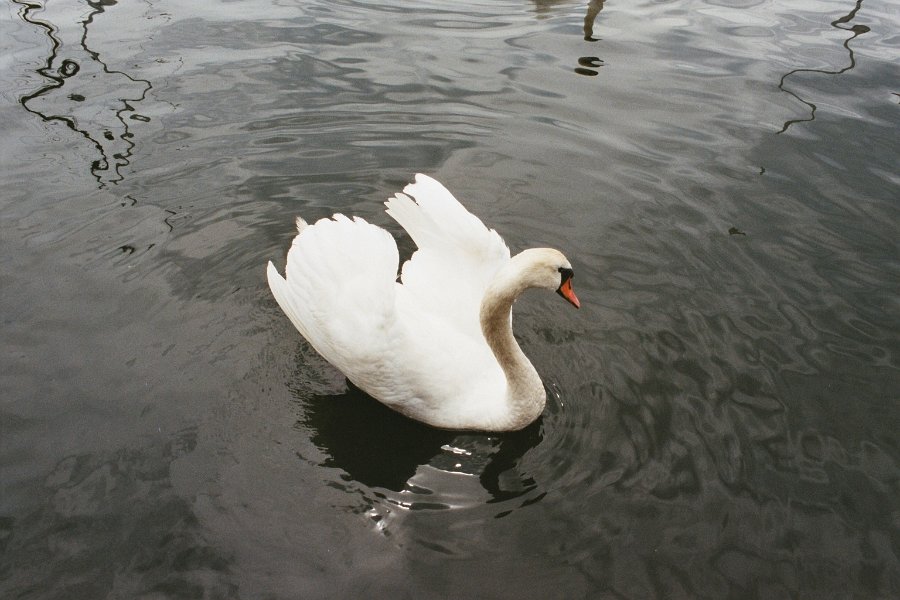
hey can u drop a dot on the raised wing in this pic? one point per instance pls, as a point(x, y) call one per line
point(457, 255)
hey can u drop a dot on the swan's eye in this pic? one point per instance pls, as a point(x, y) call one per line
point(566, 273)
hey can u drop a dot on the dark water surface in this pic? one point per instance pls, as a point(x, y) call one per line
point(723, 418)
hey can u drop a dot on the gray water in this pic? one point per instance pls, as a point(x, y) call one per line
point(723, 411)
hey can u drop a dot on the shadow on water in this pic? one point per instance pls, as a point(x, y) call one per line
point(856, 30)
point(83, 92)
point(381, 448)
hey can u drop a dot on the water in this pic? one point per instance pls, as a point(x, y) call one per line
point(722, 418)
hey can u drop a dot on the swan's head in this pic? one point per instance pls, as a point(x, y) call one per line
point(548, 269)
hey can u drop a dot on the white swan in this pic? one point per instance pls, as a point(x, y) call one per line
point(439, 346)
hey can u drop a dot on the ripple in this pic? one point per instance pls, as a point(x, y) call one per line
point(416, 467)
point(100, 510)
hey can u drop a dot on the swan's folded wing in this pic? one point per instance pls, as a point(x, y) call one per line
point(457, 255)
point(339, 292)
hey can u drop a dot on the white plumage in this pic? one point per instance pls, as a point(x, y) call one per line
point(437, 346)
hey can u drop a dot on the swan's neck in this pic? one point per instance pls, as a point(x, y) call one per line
point(525, 394)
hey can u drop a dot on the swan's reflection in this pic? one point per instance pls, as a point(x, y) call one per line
point(83, 92)
point(380, 448)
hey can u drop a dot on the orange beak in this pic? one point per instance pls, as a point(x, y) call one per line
point(565, 290)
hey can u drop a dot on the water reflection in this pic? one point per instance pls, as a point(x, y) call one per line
point(380, 448)
point(856, 30)
point(594, 8)
point(588, 65)
point(543, 7)
point(83, 92)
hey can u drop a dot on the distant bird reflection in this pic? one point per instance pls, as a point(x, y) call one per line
point(593, 9)
point(588, 65)
point(83, 92)
point(381, 448)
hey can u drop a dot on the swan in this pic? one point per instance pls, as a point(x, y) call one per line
point(437, 345)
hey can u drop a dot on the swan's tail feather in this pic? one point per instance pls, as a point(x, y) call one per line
point(285, 299)
point(301, 225)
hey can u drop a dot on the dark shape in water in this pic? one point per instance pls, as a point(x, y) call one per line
point(588, 65)
point(379, 447)
point(593, 9)
point(856, 30)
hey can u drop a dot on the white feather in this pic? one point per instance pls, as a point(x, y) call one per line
point(457, 255)
point(417, 346)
